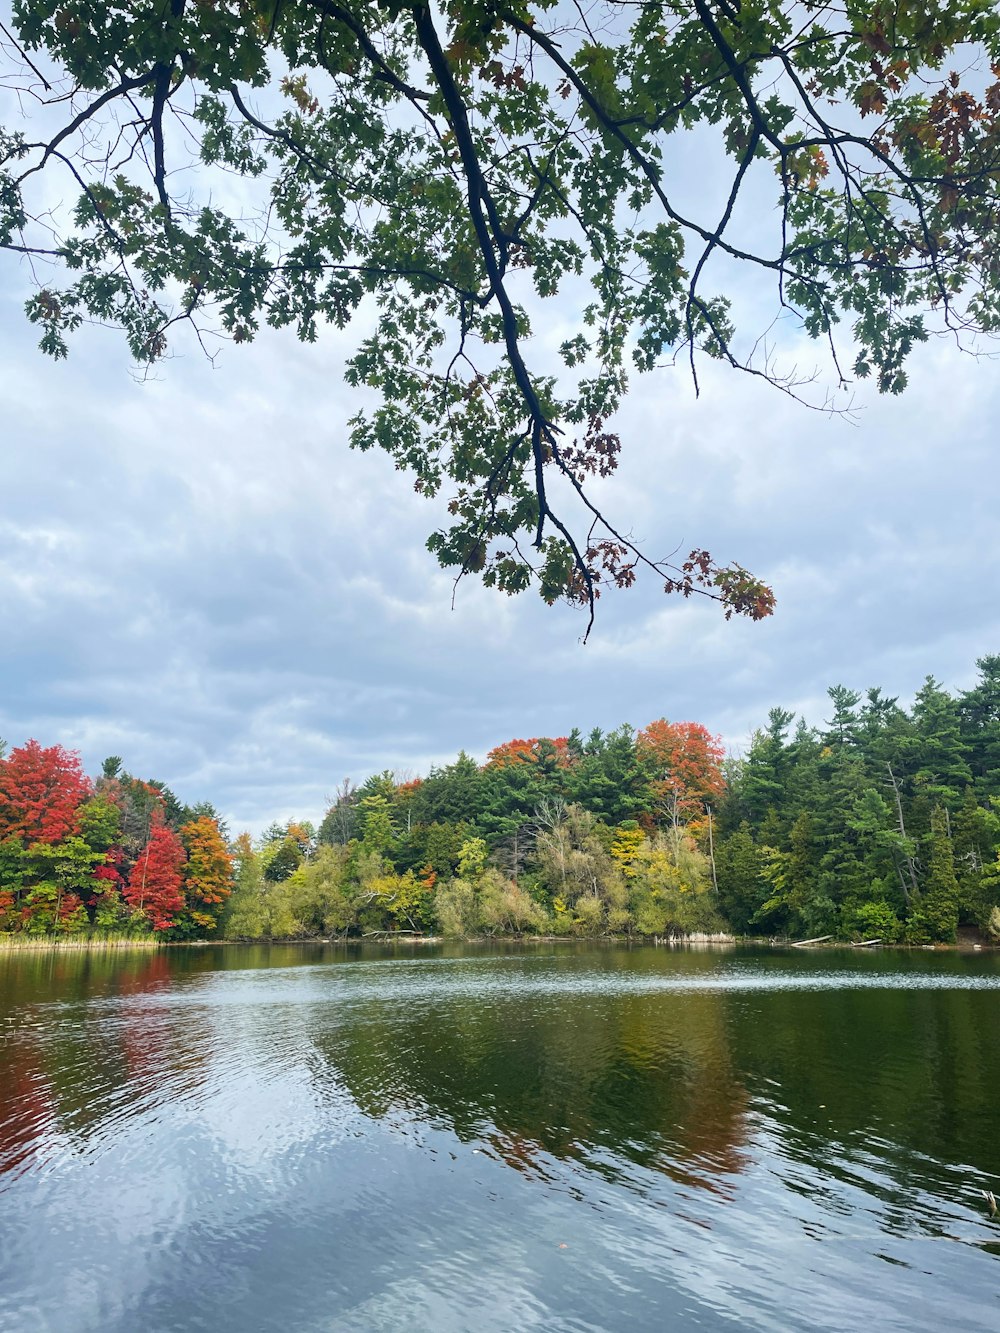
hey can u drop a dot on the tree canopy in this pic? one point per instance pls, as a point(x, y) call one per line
point(881, 824)
point(450, 176)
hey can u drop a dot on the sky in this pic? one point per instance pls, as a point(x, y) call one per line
point(197, 574)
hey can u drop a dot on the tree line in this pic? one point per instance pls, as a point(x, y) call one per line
point(880, 822)
point(116, 855)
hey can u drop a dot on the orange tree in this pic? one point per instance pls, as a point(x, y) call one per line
point(685, 764)
point(208, 874)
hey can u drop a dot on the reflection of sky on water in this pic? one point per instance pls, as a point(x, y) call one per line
point(311, 985)
point(553, 1142)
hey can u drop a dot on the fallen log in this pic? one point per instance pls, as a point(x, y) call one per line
point(818, 939)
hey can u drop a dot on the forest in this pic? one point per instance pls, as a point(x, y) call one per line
point(879, 822)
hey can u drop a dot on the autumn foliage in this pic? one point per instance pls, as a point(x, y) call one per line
point(209, 870)
point(533, 751)
point(155, 885)
point(687, 760)
point(75, 854)
point(41, 791)
point(883, 823)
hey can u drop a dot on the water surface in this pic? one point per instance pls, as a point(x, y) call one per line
point(554, 1136)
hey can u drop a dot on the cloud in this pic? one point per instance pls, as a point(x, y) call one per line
point(198, 574)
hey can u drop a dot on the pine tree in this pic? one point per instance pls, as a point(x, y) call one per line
point(762, 778)
point(943, 771)
point(844, 724)
point(936, 915)
point(979, 713)
point(742, 887)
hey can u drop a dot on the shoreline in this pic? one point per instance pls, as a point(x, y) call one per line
point(16, 944)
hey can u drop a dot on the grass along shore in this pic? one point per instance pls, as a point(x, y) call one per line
point(96, 941)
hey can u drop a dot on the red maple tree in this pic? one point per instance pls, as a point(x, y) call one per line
point(41, 790)
point(155, 884)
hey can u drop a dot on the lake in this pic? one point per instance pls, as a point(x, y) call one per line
point(547, 1136)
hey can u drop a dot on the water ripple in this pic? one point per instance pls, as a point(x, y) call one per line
point(572, 1143)
point(411, 982)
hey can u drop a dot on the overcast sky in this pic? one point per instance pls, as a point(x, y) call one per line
point(197, 574)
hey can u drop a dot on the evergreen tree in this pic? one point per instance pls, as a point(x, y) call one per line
point(451, 795)
point(935, 916)
point(979, 715)
point(743, 888)
point(942, 772)
point(376, 793)
point(610, 779)
point(378, 834)
point(762, 777)
point(844, 725)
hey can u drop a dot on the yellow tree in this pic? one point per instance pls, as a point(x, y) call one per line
point(208, 874)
